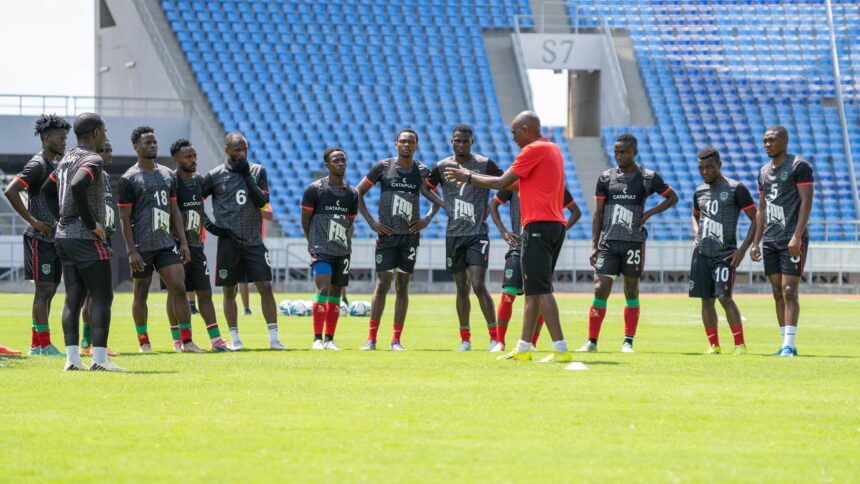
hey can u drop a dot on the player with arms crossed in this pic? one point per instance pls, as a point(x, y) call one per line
point(329, 206)
point(785, 201)
point(717, 206)
point(467, 242)
point(148, 214)
point(618, 236)
point(239, 190)
point(41, 263)
point(512, 281)
point(539, 169)
point(75, 195)
point(189, 198)
point(401, 180)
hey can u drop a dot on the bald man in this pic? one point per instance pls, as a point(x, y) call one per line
point(239, 190)
point(539, 171)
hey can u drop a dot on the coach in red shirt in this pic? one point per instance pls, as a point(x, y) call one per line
point(539, 169)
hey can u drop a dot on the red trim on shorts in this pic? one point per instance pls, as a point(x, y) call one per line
point(92, 177)
point(24, 182)
point(599, 197)
point(305, 207)
point(34, 249)
point(368, 181)
point(172, 199)
point(498, 200)
point(265, 191)
point(667, 190)
point(752, 205)
point(125, 204)
point(804, 184)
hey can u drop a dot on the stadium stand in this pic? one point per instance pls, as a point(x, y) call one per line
point(717, 74)
point(297, 76)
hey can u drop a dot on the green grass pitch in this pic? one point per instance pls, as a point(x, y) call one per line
point(666, 413)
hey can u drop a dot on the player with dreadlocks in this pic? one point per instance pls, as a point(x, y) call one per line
point(41, 263)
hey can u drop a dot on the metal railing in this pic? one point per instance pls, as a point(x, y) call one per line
point(69, 106)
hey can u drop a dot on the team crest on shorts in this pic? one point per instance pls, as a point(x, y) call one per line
point(692, 284)
point(449, 262)
point(46, 268)
point(379, 258)
point(724, 196)
point(599, 263)
point(509, 273)
point(222, 273)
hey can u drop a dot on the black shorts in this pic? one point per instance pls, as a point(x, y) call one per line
point(81, 252)
point(339, 267)
point(616, 257)
point(513, 272)
point(237, 263)
point(397, 251)
point(541, 246)
point(157, 260)
point(196, 272)
point(41, 262)
point(777, 260)
point(710, 277)
point(468, 250)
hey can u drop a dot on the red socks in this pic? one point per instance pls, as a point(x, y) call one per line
point(501, 330)
point(34, 337)
point(595, 321)
point(738, 333)
point(631, 320)
point(398, 330)
point(536, 334)
point(465, 334)
point(332, 314)
point(713, 336)
point(319, 312)
point(506, 307)
point(374, 329)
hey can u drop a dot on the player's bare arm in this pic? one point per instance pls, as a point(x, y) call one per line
point(804, 192)
point(738, 256)
point(135, 261)
point(596, 226)
point(509, 237)
point(179, 229)
point(418, 225)
point(669, 200)
point(307, 216)
point(374, 224)
point(755, 252)
point(13, 194)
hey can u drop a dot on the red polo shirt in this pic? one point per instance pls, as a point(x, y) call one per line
point(541, 170)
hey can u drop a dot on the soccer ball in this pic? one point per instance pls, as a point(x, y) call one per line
point(359, 308)
point(300, 308)
point(284, 307)
point(344, 309)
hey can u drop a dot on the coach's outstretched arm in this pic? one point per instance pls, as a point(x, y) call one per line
point(462, 175)
point(375, 225)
